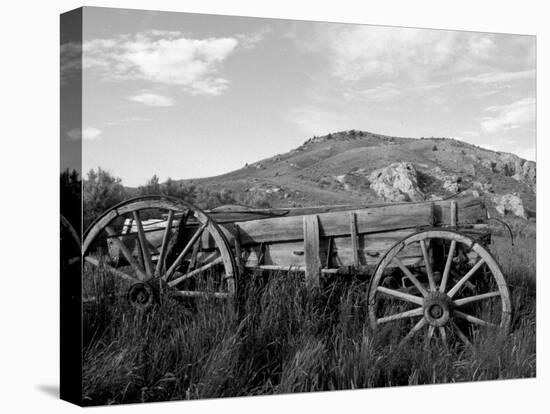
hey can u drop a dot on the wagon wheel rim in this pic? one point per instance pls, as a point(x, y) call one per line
point(438, 307)
point(160, 254)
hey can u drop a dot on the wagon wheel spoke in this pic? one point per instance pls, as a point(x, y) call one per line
point(411, 277)
point(146, 253)
point(428, 265)
point(476, 298)
point(96, 263)
point(443, 335)
point(164, 245)
point(419, 325)
point(200, 294)
point(461, 334)
point(473, 319)
point(193, 259)
point(465, 278)
point(448, 263)
point(182, 254)
point(402, 315)
point(407, 297)
point(195, 272)
point(127, 254)
point(429, 335)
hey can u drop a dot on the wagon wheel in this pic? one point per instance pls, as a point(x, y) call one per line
point(70, 244)
point(455, 292)
point(158, 243)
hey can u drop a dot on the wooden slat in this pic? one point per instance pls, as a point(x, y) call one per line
point(469, 211)
point(164, 243)
point(144, 245)
point(453, 219)
point(311, 250)
point(354, 241)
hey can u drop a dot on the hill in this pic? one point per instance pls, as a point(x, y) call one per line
point(358, 167)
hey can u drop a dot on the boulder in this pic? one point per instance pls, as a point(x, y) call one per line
point(482, 186)
point(509, 204)
point(396, 182)
point(450, 183)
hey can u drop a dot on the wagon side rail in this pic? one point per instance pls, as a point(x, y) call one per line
point(346, 240)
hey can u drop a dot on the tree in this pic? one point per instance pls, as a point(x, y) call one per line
point(70, 196)
point(152, 187)
point(101, 191)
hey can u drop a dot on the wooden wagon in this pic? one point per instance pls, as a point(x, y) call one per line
point(428, 263)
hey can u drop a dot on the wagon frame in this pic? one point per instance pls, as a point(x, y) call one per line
point(427, 262)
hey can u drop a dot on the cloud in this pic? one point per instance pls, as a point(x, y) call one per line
point(366, 57)
point(152, 99)
point(70, 61)
point(163, 57)
point(249, 40)
point(315, 121)
point(377, 52)
point(88, 133)
point(383, 93)
point(515, 115)
point(500, 77)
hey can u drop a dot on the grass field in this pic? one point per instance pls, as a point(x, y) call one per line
point(287, 340)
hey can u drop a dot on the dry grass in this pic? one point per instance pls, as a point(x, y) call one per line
point(287, 340)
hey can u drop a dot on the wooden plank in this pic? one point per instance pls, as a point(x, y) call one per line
point(469, 211)
point(353, 234)
point(453, 219)
point(311, 249)
point(226, 214)
point(371, 220)
point(371, 248)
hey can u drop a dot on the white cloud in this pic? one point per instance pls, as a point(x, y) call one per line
point(163, 57)
point(383, 93)
point(515, 115)
point(249, 40)
point(315, 121)
point(411, 59)
point(88, 133)
point(378, 52)
point(70, 60)
point(500, 77)
point(152, 99)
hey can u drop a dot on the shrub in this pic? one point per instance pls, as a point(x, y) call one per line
point(101, 191)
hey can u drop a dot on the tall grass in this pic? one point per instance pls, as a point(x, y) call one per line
point(286, 339)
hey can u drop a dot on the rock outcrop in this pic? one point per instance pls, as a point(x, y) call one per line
point(396, 182)
point(509, 204)
point(450, 183)
point(512, 166)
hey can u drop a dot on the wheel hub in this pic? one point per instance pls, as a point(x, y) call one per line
point(437, 309)
point(141, 295)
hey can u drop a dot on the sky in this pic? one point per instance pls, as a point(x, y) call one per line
point(189, 95)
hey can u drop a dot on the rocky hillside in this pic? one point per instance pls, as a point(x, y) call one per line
point(357, 167)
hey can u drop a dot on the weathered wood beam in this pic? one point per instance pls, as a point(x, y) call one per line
point(312, 253)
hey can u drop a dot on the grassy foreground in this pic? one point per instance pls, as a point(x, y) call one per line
point(288, 341)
